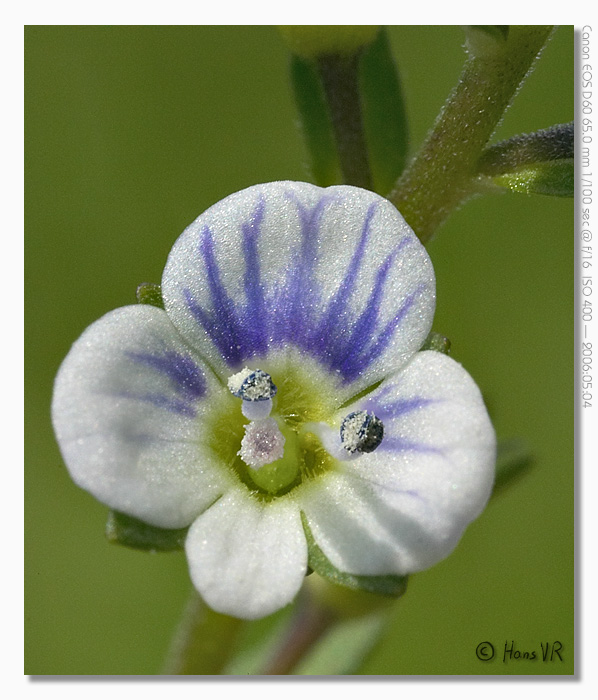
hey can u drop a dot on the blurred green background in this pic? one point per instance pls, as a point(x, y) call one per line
point(131, 133)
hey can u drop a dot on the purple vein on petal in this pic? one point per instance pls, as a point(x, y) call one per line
point(222, 324)
point(335, 313)
point(293, 304)
point(255, 335)
point(399, 444)
point(185, 377)
point(224, 313)
point(396, 409)
point(391, 410)
point(171, 404)
point(352, 360)
point(362, 331)
point(384, 337)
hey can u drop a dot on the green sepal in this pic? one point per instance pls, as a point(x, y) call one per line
point(384, 115)
point(437, 342)
point(513, 460)
point(130, 532)
point(391, 586)
point(538, 163)
point(149, 293)
point(315, 122)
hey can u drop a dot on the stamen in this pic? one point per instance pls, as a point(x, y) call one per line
point(263, 443)
point(252, 385)
point(256, 410)
point(256, 388)
point(235, 382)
point(361, 432)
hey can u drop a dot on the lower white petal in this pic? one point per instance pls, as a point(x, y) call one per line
point(128, 405)
point(247, 558)
point(405, 506)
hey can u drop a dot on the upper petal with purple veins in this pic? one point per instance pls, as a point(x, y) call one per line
point(335, 273)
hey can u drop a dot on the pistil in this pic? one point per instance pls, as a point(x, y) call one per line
point(263, 443)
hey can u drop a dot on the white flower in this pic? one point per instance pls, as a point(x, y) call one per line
point(161, 415)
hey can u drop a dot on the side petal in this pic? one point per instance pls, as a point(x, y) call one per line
point(247, 558)
point(336, 273)
point(405, 506)
point(128, 405)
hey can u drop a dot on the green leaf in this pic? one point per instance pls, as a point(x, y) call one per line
point(148, 293)
point(384, 116)
point(554, 179)
point(344, 648)
point(130, 532)
point(315, 122)
point(513, 460)
point(538, 163)
point(555, 143)
point(437, 342)
point(391, 586)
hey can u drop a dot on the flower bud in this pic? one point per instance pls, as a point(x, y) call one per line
point(312, 41)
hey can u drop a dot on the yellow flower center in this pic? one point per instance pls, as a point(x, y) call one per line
point(275, 453)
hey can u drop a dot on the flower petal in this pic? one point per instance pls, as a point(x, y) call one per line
point(128, 404)
point(405, 506)
point(247, 558)
point(335, 272)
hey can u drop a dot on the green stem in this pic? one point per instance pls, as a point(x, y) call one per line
point(310, 623)
point(203, 642)
point(441, 175)
point(340, 79)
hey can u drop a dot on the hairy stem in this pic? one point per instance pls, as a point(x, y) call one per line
point(441, 175)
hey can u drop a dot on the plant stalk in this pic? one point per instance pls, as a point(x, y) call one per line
point(340, 80)
point(441, 175)
point(310, 623)
point(203, 641)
